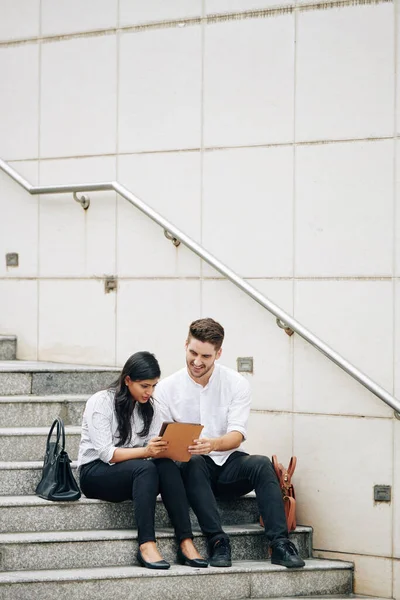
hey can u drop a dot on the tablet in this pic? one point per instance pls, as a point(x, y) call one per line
point(179, 436)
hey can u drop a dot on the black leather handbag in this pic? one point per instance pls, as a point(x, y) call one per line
point(57, 482)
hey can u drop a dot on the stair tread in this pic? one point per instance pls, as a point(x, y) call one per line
point(23, 366)
point(4, 431)
point(312, 564)
point(31, 464)
point(32, 399)
point(120, 534)
point(32, 500)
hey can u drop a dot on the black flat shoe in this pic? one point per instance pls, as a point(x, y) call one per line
point(160, 564)
point(191, 562)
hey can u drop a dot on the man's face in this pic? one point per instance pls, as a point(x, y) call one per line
point(200, 358)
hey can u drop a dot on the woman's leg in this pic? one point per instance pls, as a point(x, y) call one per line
point(173, 494)
point(174, 497)
point(135, 480)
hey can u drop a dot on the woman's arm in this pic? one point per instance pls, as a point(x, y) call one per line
point(154, 448)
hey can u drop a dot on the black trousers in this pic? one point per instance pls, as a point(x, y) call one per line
point(141, 480)
point(240, 474)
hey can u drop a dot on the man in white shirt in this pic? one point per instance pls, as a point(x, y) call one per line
point(219, 398)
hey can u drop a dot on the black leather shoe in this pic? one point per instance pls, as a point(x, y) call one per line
point(191, 562)
point(220, 553)
point(285, 553)
point(160, 564)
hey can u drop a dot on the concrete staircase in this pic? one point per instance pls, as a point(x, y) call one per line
point(86, 549)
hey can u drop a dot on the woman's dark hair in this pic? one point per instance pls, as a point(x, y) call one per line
point(139, 366)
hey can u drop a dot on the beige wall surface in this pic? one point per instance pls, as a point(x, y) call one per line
point(268, 132)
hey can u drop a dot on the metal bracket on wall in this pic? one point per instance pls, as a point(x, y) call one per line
point(170, 237)
point(83, 200)
point(397, 415)
point(285, 327)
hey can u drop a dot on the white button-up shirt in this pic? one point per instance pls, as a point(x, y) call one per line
point(222, 406)
point(99, 437)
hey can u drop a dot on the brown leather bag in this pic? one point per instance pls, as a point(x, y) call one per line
point(285, 483)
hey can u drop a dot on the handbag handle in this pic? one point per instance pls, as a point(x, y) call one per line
point(60, 433)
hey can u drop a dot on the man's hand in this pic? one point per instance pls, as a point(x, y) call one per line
point(156, 447)
point(203, 446)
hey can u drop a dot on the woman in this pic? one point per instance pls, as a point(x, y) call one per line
point(119, 434)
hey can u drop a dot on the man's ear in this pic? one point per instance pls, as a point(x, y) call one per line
point(218, 354)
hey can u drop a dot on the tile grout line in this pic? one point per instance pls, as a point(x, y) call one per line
point(116, 197)
point(195, 21)
point(211, 148)
point(294, 218)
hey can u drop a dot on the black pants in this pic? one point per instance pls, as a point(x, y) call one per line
point(141, 480)
point(240, 474)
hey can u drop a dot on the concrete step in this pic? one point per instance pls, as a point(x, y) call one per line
point(19, 377)
point(29, 443)
point(245, 579)
point(21, 478)
point(30, 513)
point(8, 347)
point(106, 548)
point(40, 411)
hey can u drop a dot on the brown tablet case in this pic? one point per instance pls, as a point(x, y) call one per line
point(179, 436)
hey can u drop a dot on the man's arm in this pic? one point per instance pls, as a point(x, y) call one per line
point(229, 441)
point(238, 416)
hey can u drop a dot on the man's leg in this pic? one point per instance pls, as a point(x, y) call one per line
point(243, 473)
point(199, 474)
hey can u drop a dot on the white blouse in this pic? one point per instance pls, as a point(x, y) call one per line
point(99, 437)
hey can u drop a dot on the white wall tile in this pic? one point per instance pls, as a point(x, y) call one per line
point(396, 579)
point(19, 98)
point(396, 491)
point(344, 209)
point(270, 433)
point(340, 459)
point(13, 25)
point(170, 184)
point(249, 81)
point(159, 89)
point(18, 314)
point(155, 316)
point(372, 575)
point(230, 6)
point(396, 357)
point(76, 322)
point(78, 97)
point(248, 210)
point(69, 16)
point(73, 241)
point(250, 330)
point(397, 212)
point(356, 319)
point(344, 84)
point(135, 12)
point(19, 224)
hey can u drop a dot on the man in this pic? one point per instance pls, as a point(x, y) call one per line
point(219, 398)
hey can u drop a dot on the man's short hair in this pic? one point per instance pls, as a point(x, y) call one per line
point(207, 330)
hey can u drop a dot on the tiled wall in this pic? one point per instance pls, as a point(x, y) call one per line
point(271, 137)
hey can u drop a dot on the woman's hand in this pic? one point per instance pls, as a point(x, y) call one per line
point(203, 446)
point(156, 447)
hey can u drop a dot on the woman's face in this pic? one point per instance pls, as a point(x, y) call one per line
point(141, 391)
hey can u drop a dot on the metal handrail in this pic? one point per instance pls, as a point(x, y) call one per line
point(283, 318)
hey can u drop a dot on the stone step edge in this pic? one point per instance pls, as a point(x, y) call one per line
point(27, 465)
point(38, 537)
point(133, 572)
point(7, 338)
point(34, 367)
point(38, 399)
point(32, 500)
point(20, 431)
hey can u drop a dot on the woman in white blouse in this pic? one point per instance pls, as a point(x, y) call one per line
point(119, 435)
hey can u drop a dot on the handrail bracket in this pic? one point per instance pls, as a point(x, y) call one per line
point(83, 200)
point(170, 237)
point(285, 327)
